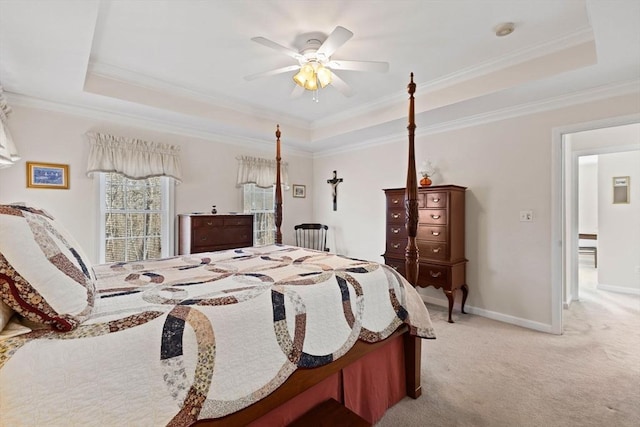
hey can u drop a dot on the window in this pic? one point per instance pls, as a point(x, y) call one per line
point(261, 203)
point(135, 218)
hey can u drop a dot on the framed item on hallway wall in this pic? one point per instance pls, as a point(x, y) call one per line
point(620, 189)
point(47, 175)
point(299, 190)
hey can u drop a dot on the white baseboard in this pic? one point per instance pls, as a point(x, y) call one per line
point(618, 289)
point(525, 323)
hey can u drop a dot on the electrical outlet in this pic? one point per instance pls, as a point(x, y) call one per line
point(526, 216)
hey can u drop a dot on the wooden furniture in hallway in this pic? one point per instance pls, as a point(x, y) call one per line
point(587, 248)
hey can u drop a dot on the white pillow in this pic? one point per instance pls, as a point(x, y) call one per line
point(44, 274)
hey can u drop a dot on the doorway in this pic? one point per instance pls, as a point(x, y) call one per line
point(564, 201)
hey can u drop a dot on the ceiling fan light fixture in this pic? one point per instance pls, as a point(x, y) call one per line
point(324, 75)
point(311, 84)
point(305, 74)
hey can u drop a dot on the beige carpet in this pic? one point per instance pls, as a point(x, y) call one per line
point(480, 372)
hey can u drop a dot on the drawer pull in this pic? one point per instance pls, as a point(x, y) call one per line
point(436, 250)
point(203, 238)
point(395, 215)
point(436, 274)
point(209, 222)
point(436, 199)
point(395, 230)
point(435, 233)
point(395, 245)
point(435, 216)
point(396, 201)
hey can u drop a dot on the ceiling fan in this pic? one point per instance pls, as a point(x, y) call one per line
point(315, 66)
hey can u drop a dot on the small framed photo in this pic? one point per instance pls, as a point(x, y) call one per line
point(47, 175)
point(299, 190)
point(621, 189)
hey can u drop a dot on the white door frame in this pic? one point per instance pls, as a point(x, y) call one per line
point(564, 213)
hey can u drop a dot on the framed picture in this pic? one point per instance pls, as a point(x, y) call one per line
point(621, 189)
point(47, 175)
point(299, 190)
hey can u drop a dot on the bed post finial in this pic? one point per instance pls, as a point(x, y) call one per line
point(278, 202)
point(411, 196)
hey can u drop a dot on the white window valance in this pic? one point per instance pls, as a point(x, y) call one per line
point(261, 172)
point(133, 158)
point(8, 152)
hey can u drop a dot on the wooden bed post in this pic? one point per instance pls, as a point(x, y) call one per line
point(278, 204)
point(411, 197)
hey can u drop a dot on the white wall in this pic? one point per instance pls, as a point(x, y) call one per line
point(506, 166)
point(209, 171)
point(588, 194)
point(619, 224)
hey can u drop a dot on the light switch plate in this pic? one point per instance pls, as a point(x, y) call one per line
point(526, 216)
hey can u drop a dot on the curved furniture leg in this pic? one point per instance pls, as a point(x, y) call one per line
point(450, 296)
point(465, 293)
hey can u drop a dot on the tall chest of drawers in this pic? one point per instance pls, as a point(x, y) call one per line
point(208, 233)
point(440, 238)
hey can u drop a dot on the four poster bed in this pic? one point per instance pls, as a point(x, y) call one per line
point(251, 336)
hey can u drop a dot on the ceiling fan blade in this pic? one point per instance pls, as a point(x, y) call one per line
point(272, 72)
point(273, 45)
point(341, 86)
point(375, 66)
point(297, 91)
point(337, 38)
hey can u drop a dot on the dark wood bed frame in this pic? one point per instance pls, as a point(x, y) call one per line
point(303, 379)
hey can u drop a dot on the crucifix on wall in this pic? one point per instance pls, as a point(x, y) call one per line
point(334, 188)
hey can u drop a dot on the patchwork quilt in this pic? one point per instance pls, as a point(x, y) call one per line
point(200, 336)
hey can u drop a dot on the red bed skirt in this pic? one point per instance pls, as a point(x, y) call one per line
point(368, 387)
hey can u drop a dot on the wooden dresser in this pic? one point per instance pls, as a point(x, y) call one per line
point(208, 233)
point(440, 238)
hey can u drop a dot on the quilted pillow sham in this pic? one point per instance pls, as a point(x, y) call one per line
point(44, 275)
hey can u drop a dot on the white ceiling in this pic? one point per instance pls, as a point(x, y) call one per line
point(179, 65)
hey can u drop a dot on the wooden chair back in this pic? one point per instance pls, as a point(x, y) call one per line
point(312, 236)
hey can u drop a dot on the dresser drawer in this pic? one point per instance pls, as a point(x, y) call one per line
point(433, 250)
point(395, 200)
point(396, 264)
point(436, 233)
point(436, 200)
point(237, 234)
point(396, 247)
point(206, 221)
point(433, 216)
point(396, 231)
point(239, 220)
point(396, 215)
point(206, 237)
point(431, 274)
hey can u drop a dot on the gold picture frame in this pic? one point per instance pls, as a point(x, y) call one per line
point(299, 191)
point(47, 175)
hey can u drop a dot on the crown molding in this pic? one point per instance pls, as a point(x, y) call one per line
point(594, 94)
point(198, 94)
point(567, 100)
point(487, 67)
point(144, 122)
